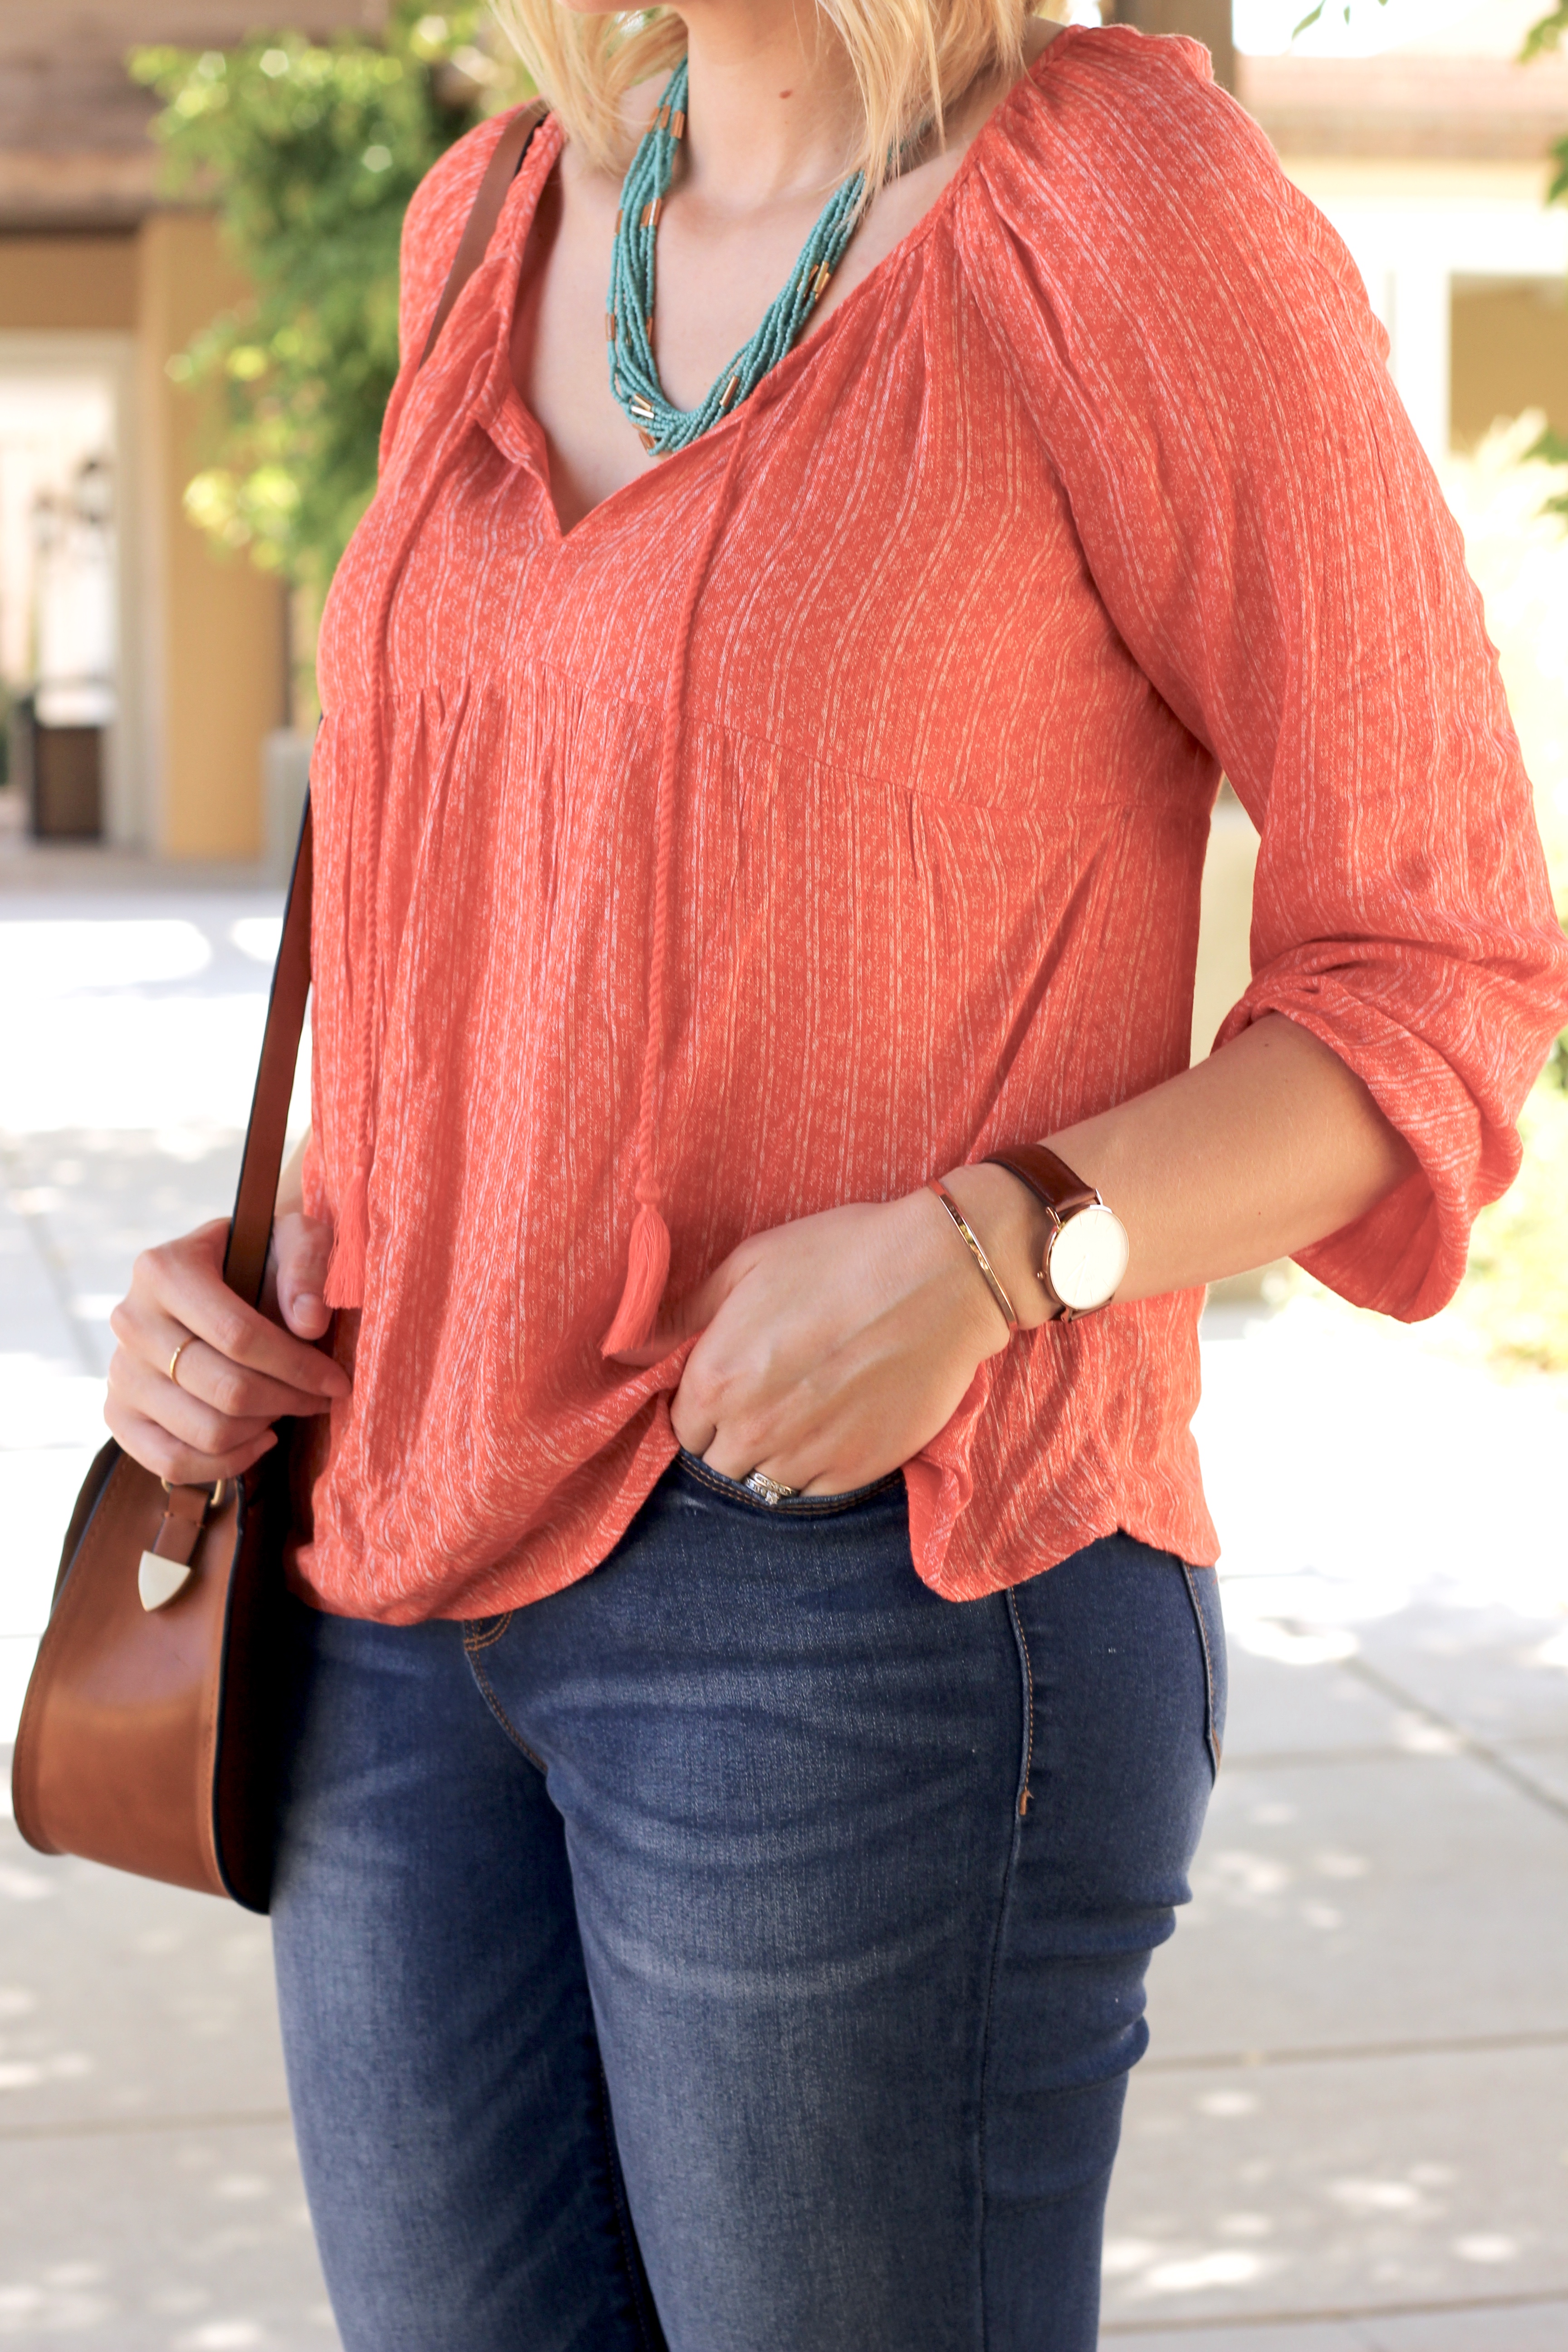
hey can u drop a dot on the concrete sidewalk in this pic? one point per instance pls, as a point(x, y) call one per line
point(1352, 2132)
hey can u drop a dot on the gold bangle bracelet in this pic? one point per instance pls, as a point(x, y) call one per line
point(934, 1184)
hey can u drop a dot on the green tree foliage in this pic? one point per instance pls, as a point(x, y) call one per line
point(1312, 15)
point(1547, 35)
point(310, 153)
point(1550, 34)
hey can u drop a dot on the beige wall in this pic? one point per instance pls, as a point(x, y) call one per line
point(1224, 927)
point(1510, 353)
point(64, 285)
point(208, 636)
point(218, 655)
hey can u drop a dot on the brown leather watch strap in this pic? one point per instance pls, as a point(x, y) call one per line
point(499, 173)
point(1049, 1179)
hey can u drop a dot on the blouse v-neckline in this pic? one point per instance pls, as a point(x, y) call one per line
point(518, 432)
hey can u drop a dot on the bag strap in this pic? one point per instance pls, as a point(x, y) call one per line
point(499, 173)
point(251, 1229)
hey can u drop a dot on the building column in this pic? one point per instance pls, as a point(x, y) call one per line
point(216, 668)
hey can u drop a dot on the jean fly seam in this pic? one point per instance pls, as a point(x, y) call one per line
point(486, 1692)
point(1211, 1736)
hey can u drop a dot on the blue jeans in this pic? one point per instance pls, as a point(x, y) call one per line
point(743, 1950)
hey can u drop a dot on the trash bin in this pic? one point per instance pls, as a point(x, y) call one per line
point(58, 770)
point(66, 799)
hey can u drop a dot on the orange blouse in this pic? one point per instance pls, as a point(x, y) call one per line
point(829, 806)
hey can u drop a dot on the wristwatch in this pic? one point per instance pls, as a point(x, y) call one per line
point(1086, 1255)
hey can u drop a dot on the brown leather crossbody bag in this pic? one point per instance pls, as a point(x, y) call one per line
point(150, 1736)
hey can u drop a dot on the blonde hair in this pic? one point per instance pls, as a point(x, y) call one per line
point(912, 59)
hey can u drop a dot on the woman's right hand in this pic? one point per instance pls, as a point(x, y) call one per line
point(242, 1369)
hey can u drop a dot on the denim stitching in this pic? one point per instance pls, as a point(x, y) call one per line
point(478, 1633)
point(795, 1507)
point(1024, 1792)
point(637, 2279)
point(486, 1693)
point(1211, 1737)
point(1027, 1672)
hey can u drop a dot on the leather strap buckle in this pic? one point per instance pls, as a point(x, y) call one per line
point(165, 1569)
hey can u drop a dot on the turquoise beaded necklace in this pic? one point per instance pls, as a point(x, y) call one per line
point(628, 322)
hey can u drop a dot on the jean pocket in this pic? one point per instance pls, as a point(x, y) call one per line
point(483, 1633)
point(789, 1507)
point(1202, 1591)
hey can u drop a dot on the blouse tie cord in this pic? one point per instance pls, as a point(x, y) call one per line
point(647, 1254)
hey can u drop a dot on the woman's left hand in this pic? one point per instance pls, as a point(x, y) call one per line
point(832, 1349)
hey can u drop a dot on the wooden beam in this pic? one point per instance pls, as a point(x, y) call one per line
point(1207, 21)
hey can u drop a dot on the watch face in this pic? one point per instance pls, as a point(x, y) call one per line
point(1088, 1258)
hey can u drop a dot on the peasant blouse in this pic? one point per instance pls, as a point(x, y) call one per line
point(828, 807)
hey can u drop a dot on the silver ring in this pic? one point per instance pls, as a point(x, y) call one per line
point(766, 1489)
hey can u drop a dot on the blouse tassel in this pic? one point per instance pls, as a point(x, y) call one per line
point(344, 1285)
point(647, 1271)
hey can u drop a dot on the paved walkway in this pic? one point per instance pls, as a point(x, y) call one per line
point(1352, 2132)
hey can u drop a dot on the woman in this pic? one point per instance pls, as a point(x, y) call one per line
point(764, 772)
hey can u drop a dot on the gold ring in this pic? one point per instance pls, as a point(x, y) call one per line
point(175, 1359)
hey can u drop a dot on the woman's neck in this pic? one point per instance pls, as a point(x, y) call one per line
point(772, 110)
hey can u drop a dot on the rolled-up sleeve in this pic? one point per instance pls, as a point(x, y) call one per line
point(1273, 547)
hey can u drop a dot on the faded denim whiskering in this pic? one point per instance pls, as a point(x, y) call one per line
point(742, 1948)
